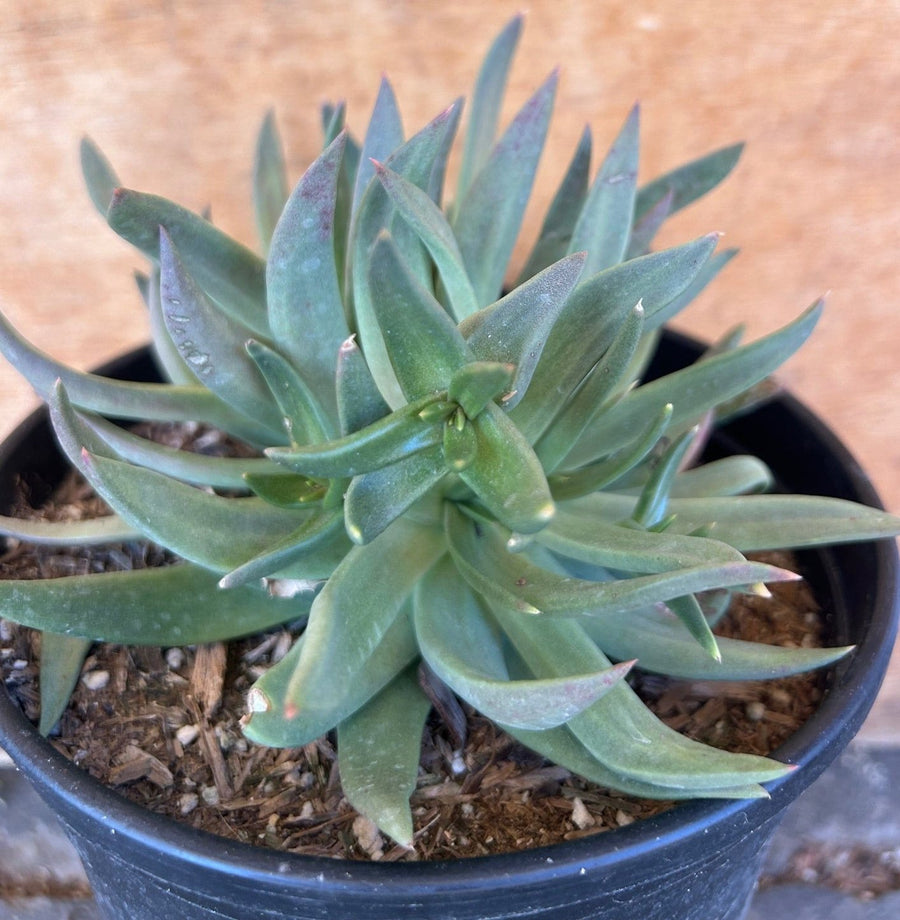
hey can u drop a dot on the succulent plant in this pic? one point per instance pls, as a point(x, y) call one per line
point(447, 474)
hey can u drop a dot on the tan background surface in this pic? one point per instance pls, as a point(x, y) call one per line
point(174, 92)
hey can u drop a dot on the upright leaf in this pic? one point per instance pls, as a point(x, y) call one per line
point(306, 310)
point(487, 100)
point(270, 182)
point(379, 775)
point(604, 225)
point(99, 176)
point(424, 346)
point(515, 329)
point(383, 137)
point(562, 215)
point(210, 343)
point(489, 216)
point(228, 272)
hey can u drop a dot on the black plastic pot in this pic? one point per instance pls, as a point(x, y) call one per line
point(696, 862)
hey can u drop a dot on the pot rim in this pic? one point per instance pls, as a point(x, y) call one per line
point(812, 747)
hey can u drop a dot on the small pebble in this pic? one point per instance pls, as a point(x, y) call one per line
point(96, 680)
point(175, 658)
point(623, 819)
point(210, 795)
point(581, 817)
point(188, 802)
point(755, 711)
point(187, 734)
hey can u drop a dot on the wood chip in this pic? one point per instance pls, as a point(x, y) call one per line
point(208, 676)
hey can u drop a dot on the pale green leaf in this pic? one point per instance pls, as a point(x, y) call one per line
point(462, 648)
point(693, 390)
point(427, 220)
point(515, 328)
point(398, 435)
point(379, 747)
point(99, 176)
point(277, 721)
point(270, 182)
point(306, 310)
point(212, 344)
point(62, 658)
point(506, 475)
point(226, 270)
point(604, 225)
point(487, 101)
point(665, 646)
point(377, 498)
point(556, 231)
point(169, 605)
point(214, 532)
point(354, 611)
point(489, 215)
point(423, 345)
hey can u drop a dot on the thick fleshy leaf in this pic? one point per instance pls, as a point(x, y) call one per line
point(426, 218)
point(424, 346)
point(302, 415)
point(754, 522)
point(172, 365)
point(652, 504)
point(276, 721)
point(227, 271)
point(91, 532)
point(406, 431)
point(487, 101)
point(490, 213)
point(626, 549)
point(689, 611)
point(605, 377)
point(687, 183)
point(619, 730)
point(595, 476)
point(383, 136)
point(666, 647)
point(512, 581)
point(591, 317)
point(737, 475)
point(376, 499)
point(270, 182)
point(99, 176)
point(645, 229)
point(62, 658)
point(515, 328)
point(284, 489)
point(462, 647)
point(171, 605)
point(214, 532)
point(354, 611)
point(378, 774)
point(477, 383)
point(421, 161)
point(123, 398)
point(460, 442)
point(556, 231)
point(359, 401)
point(306, 310)
point(716, 262)
point(211, 343)
point(77, 430)
point(560, 746)
point(310, 553)
point(506, 475)
point(693, 390)
point(604, 225)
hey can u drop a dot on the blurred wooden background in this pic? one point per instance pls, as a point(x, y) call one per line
point(174, 92)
